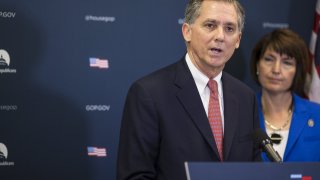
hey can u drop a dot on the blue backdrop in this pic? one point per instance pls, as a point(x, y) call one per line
point(54, 104)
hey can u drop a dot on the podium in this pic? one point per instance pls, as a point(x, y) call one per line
point(253, 171)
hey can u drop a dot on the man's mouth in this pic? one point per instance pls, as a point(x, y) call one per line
point(216, 50)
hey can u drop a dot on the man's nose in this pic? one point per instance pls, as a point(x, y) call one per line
point(219, 34)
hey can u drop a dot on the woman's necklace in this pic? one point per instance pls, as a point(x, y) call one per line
point(276, 137)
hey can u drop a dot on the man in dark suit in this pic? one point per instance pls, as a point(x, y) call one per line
point(167, 117)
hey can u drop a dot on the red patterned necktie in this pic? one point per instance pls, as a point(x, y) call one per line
point(214, 116)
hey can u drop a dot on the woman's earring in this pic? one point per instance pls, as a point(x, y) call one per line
point(258, 73)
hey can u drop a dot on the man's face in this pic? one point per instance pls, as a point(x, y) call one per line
point(213, 37)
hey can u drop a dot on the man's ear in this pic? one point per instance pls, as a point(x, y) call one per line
point(186, 32)
point(238, 42)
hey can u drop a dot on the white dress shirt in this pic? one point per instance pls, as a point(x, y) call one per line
point(201, 81)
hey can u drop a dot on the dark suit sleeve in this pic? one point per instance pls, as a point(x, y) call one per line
point(139, 137)
point(256, 124)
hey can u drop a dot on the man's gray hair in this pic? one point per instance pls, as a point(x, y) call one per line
point(192, 11)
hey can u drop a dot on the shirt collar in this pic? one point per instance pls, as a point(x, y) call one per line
point(200, 79)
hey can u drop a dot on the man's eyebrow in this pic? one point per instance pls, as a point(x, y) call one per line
point(226, 23)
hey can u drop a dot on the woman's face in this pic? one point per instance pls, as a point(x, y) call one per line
point(276, 71)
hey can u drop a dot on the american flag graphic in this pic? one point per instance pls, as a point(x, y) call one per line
point(100, 63)
point(99, 152)
point(314, 92)
point(300, 177)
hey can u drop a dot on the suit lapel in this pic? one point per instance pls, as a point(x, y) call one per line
point(190, 99)
point(230, 114)
point(299, 121)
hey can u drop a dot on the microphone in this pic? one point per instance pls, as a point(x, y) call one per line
point(262, 140)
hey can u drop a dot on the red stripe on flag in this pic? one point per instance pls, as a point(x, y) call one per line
point(314, 91)
point(316, 22)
